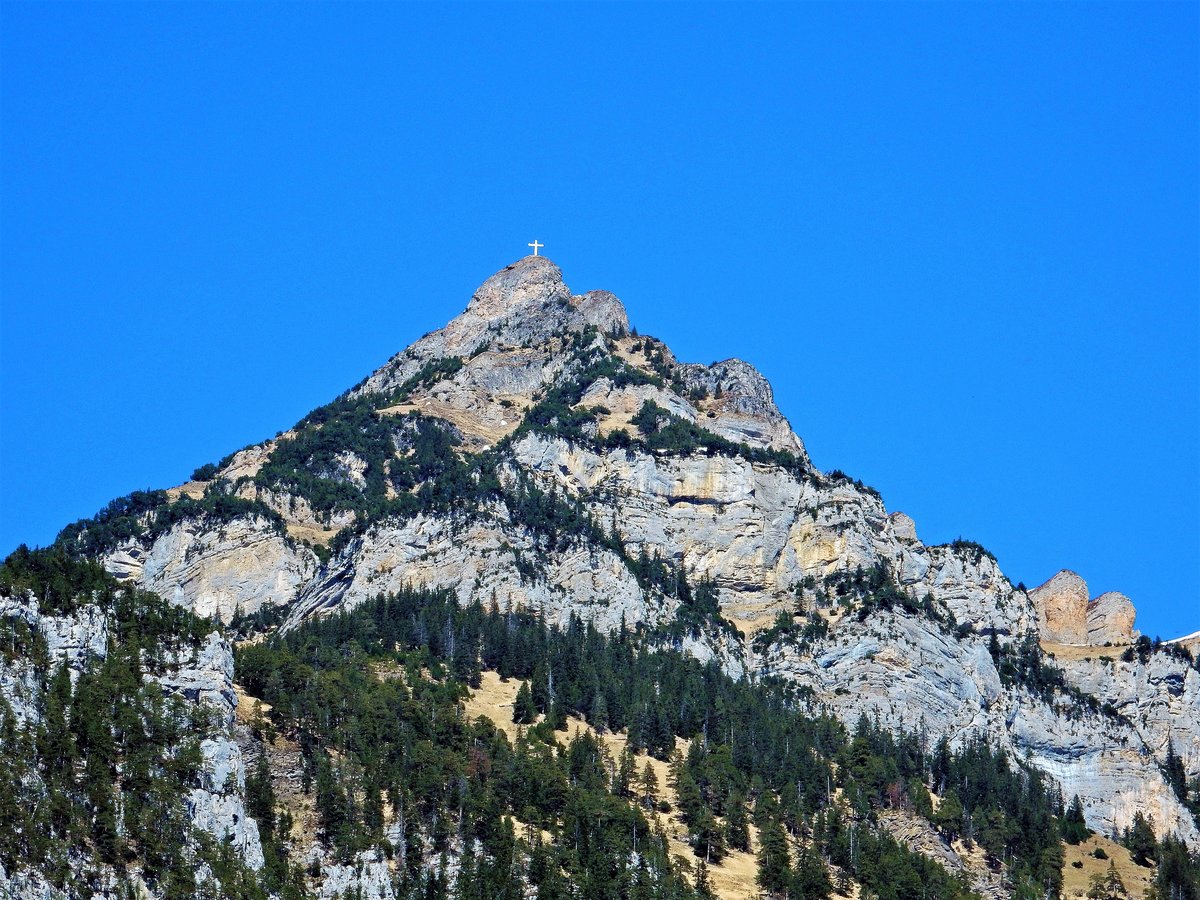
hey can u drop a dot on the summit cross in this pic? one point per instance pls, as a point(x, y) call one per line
point(535, 245)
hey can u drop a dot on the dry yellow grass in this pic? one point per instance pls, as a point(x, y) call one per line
point(734, 878)
point(310, 534)
point(193, 489)
point(477, 432)
point(284, 760)
point(1072, 652)
point(1075, 881)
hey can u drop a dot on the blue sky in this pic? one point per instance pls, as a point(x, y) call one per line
point(961, 240)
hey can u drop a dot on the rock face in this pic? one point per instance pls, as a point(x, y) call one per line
point(485, 560)
point(1159, 694)
point(203, 678)
point(217, 568)
point(1110, 620)
point(366, 878)
point(1098, 758)
point(1066, 616)
point(917, 834)
point(1062, 608)
point(757, 519)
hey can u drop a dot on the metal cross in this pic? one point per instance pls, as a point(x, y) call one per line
point(535, 245)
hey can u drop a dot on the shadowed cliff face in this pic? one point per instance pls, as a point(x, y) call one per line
point(629, 455)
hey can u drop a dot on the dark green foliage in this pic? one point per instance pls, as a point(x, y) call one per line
point(206, 472)
point(665, 432)
point(1074, 829)
point(429, 374)
point(970, 549)
point(774, 866)
point(56, 578)
point(1143, 648)
point(1009, 809)
point(743, 738)
point(147, 514)
point(1175, 774)
point(556, 414)
point(312, 463)
point(1139, 840)
point(737, 823)
point(868, 592)
point(837, 475)
point(524, 712)
point(1178, 875)
point(101, 778)
point(401, 737)
point(1023, 664)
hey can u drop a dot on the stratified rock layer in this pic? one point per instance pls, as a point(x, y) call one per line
point(217, 568)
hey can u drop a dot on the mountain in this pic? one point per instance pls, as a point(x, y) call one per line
point(536, 468)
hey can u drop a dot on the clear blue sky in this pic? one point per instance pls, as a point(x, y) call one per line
point(961, 240)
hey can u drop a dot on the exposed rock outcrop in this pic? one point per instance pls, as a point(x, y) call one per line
point(202, 677)
point(1110, 620)
point(1062, 608)
point(217, 568)
point(917, 834)
point(1159, 694)
point(367, 878)
point(488, 559)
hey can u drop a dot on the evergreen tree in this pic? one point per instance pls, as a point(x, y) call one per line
point(1178, 875)
point(1139, 840)
point(1175, 773)
point(774, 863)
point(524, 711)
point(736, 822)
point(1074, 828)
point(1107, 886)
point(599, 716)
point(811, 878)
point(704, 890)
point(648, 787)
point(949, 815)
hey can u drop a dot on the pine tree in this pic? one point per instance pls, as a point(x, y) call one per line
point(708, 838)
point(1174, 772)
point(1178, 876)
point(626, 773)
point(1108, 886)
point(599, 716)
point(1074, 828)
point(648, 787)
point(949, 816)
point(260, 797)
point(704, 889)
point(774, 864)
point(811, 879)
point(737, 824)
point(524, 712)
point(1139, 840)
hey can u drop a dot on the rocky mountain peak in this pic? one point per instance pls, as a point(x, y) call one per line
point(533, 454)
point(530, 281)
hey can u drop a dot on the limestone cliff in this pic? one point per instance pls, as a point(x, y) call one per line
point(200, 676)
